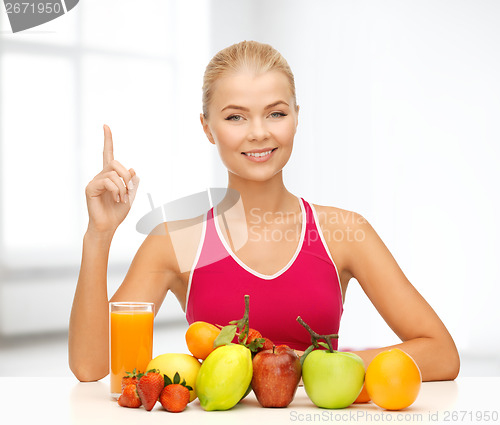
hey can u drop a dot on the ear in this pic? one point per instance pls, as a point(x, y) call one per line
point(206, 129)
point(297, 112)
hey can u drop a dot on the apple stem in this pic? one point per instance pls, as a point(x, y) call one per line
point(315, 336)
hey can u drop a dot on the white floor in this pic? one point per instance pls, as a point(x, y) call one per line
point(47, 355)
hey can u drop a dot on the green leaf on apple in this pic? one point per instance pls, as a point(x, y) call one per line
point(324, 345)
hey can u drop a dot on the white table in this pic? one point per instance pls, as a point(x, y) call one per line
point(66, 401)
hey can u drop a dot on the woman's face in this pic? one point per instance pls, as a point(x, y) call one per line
point(252, 120)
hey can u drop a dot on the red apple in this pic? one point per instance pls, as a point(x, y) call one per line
point(276, 376)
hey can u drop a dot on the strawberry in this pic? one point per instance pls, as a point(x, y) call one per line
point(253, 334)
point(268, 345)
point(174, 397)
point(129, 397)
point(130, 378)
point(149, 388)
point(254, 340)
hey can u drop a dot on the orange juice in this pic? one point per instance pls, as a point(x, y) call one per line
point(131, 344)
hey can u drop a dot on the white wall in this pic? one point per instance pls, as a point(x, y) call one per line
point(399, 121)
point(140, 71)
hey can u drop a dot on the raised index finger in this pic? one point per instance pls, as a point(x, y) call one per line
point(107, 154)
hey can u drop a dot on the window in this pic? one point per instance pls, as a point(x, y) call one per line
point(137, 67)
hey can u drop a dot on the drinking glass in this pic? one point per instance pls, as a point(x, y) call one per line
point(130, 340)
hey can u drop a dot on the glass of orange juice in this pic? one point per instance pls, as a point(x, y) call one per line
point(130, 340)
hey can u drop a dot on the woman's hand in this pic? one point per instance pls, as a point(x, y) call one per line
point(111, 193)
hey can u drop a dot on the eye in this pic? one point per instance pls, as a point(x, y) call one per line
point(234, 118)
point(278, 114)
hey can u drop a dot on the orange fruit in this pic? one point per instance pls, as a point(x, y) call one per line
point(393, 379)
point(200, 338)
point(363, 396)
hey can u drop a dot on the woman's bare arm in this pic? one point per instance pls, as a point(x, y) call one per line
point(109, 197)
point(150, 276)
point(88, 325)
point(424, 335)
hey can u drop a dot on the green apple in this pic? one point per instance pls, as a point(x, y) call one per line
point(333, 380)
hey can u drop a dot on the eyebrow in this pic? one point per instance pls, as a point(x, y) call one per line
point(242, 108)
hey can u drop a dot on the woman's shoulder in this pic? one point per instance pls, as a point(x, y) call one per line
point(176, 241)
point(330, 217)
point(343, 231)
point(184, 225)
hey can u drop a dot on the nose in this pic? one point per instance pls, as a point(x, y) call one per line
point(258, 131)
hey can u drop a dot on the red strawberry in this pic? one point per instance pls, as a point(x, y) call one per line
point(254, 340)
point(268, 345)
point(130, 378)
point(174, 397)
point(149, 388)
point(129, 397)
point(253, 334)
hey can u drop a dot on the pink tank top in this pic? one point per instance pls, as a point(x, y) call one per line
point(308, 286)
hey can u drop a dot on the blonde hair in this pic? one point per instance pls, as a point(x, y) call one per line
point(248, 56)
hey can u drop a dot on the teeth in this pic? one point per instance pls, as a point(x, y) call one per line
point(258, 155)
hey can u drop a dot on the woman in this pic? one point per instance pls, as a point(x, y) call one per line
point(292, 257)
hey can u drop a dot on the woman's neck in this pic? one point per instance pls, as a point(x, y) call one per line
point(264, 196)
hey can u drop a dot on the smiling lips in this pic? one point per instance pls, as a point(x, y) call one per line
point(259, 155)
